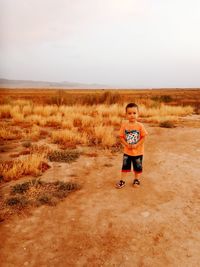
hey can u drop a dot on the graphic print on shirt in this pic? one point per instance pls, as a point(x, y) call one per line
point(132, 136)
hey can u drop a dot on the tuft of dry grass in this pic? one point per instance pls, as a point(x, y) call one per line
point(65, 136)
point(54, 120)
point(33, 164)
point(159, 119)
point(67, 124)
point(32, 133)
point(21, 102)
point(36, 119)
point(165, 110)
point(104, 135)
point(5, 111)
point(8, 133)
point(45, 110)
point(40, 149)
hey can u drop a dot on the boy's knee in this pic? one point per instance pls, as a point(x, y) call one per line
point(126, 163)
point(138, 165)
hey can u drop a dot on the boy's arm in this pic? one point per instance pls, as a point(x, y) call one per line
point(142, 139)
point(136, 145)
point(144, 133)
point(124, 143)
point(122, 138)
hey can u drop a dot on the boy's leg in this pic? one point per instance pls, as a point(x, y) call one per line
point(137, 175)
point(137, 179)
point(123, 175)
point(137, 167)
point(126, 167)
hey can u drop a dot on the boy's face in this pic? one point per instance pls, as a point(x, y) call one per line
point(132, 114)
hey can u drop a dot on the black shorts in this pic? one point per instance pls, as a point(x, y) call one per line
point(136, 161)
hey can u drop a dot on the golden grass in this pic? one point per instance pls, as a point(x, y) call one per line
point(65, 136)
point(104, 135)
point(159, 119)
point(50, 114)
point(32, 133)
point(25, 165)
point(45, 111)
point(165, 110)
point(36, 119)
point(40, 149)
point(27, 110)
point(67, 124)
point(21, 102)
point(18, 118)
point(89, 125)
point(81, 124)
point(5, 111)
point(54, 120)
point(8, 133)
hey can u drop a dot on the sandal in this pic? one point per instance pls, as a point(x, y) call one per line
point(136, 182)
point(120, 184)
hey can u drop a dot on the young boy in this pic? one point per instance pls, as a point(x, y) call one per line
point(132, 135)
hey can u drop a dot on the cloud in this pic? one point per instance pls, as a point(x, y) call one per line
point(100, 40)
point(49, 20)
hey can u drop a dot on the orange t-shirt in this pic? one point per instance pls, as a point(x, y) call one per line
point(132, 134)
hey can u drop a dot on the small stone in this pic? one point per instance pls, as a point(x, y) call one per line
point(145, 214)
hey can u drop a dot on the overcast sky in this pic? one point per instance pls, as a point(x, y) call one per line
point(125, 43)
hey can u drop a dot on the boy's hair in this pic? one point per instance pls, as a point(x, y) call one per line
point(132, 105)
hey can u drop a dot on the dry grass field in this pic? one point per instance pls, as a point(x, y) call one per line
point(56, 142)
point(84, 96)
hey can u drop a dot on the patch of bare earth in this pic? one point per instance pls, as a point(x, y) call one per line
point(157, 224)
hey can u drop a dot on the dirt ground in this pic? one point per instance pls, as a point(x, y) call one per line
point(157, 224)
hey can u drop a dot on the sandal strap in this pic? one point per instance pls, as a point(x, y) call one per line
point(136, 181)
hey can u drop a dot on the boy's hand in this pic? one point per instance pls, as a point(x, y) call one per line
point(132, 146)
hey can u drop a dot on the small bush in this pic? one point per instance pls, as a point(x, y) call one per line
point(162, 98)
point(60, 194)
point(45, 199)
point(20, 188)
point(36, 193)
point(63, 156)
point(108, 165)
point(106, 97)
point(167, 124)
point(17, 201)
point(197, 108)
point(67, 186)
point(26, 144)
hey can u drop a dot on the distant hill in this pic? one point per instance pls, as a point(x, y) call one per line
point(6, 83)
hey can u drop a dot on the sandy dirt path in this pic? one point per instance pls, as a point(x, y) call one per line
point(155, 225)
